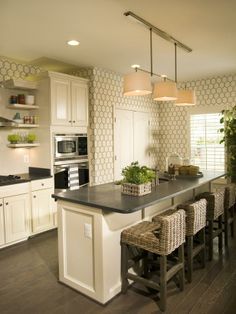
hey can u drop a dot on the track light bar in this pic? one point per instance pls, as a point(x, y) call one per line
point(158, 31)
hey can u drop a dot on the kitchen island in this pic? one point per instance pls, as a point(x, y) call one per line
point(91, 219)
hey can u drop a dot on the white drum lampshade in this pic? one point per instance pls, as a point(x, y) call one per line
point(137, 83)
point(165, 91)
point(186, 97)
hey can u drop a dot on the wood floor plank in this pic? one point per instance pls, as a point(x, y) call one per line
point(29, 285)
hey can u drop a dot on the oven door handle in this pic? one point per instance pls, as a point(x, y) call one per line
point(58, 170)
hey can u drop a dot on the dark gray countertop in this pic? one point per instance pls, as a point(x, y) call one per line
point(109, 197)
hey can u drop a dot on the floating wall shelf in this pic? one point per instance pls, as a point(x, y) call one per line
point(19, 106)
point(23, 145)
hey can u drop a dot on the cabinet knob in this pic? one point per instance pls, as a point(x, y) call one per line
point(73, 121)
point(42, 184)
point(70, 121)
point(34, 196)
point(6, 203)
point(0, 204)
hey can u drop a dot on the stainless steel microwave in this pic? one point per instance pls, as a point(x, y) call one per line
point(70, 145)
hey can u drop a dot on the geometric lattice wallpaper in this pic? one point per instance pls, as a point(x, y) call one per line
point(106, 94)
point(216, 93)
point(169, 123)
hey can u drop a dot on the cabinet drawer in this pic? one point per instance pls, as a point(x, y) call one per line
point(41, 184)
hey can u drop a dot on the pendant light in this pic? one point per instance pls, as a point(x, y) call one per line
point(165, 90)
point(137, 84)
point(186, 97)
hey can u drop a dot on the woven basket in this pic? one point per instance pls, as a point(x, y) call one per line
point(136, 189)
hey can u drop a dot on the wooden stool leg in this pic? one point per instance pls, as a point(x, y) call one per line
point(181, 272)
point(220, 243)
point(163, 282)
point(124, 268)
point(232, 224)
point(203, 241)
point(189, 258)
point(210, 239)
point(226, 227)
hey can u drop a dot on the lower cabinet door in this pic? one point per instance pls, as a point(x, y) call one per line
point(2, 239)
point(42, 210)
point(17, 217)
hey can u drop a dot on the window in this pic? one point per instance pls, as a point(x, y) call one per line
point(206, 150)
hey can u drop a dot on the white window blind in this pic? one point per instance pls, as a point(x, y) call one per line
point(206, 150)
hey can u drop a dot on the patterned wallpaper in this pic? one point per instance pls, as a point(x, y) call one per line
point(106, 94)
point(169, 123)
point(216, 93)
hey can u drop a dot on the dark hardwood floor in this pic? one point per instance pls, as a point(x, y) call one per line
point(28, 284)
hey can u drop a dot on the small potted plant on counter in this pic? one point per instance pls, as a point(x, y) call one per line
point(31, 138)
point(137, 180)
point(14, 138)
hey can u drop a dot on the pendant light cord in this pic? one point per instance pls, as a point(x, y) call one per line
point(175, 63)
point(151, 61)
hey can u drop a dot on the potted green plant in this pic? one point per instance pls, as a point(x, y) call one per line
point(31, 138)
point(229, 138)
point(13, 138)
point(137, 180)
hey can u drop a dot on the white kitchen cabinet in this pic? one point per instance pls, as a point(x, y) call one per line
point(2, 237)
point(42, 205)
point(69, 100)
point(131, 139)
point(17, 217)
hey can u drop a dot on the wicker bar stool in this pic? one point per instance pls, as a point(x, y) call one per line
point(229, 206)
point(159, 238)
point(214, 217)
point(195, 233)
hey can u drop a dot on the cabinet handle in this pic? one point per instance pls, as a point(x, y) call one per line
point(6, 203)
point(34, 196)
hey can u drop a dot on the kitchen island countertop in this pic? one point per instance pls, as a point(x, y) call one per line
point(109, 197)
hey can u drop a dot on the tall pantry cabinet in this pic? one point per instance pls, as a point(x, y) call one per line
point(63, 103)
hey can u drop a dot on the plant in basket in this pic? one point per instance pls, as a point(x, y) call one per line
point(137, 179)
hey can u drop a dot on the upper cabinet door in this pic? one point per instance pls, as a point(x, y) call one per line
point(123, 141)
point(141, 138)
point(79, 99)
point(60, 101)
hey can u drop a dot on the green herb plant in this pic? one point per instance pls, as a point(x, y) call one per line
point(31, 138)
point(137, 174)
point(229, 138)
point(13, 138)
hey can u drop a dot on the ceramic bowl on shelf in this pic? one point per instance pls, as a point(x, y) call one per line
point(19, 121)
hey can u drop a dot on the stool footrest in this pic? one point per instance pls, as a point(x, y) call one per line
point(174, 270)
point(198, 249)
point(147, 282)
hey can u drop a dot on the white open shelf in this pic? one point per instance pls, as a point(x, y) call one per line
point(19, 106)
point(26, 126)
point(23, 145)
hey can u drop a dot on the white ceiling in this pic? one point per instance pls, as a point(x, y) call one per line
point(32, 29)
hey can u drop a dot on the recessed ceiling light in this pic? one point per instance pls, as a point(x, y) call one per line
point(134, 66)
point(73, 42)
